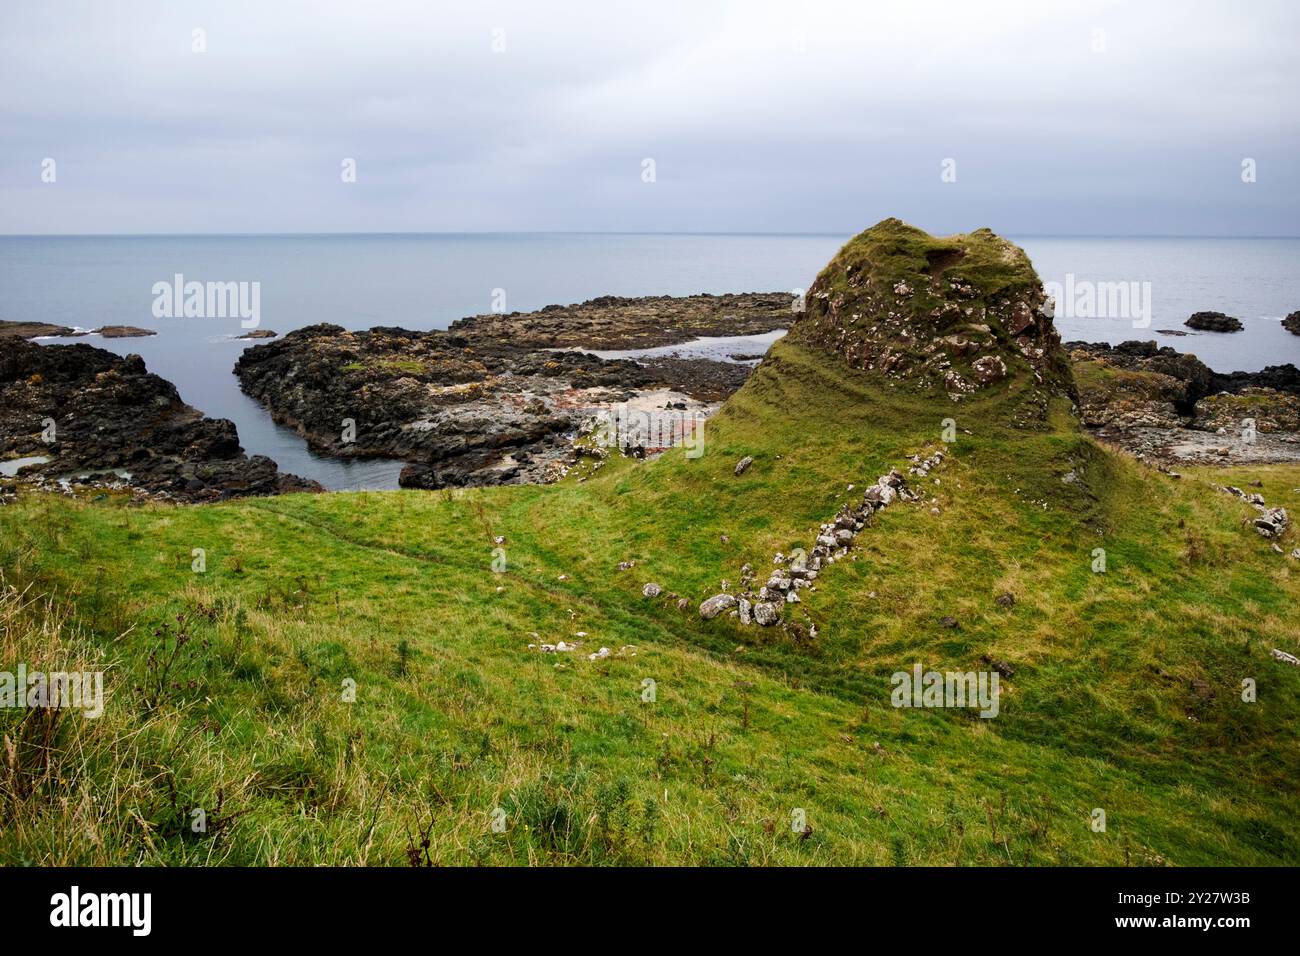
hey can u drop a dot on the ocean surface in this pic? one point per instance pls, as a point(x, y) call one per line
point(428, 281)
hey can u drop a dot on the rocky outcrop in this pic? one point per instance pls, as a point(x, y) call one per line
point(1157, 402)
point(123, 332)
point(1213, 322)
point(616, 323)
point(1267, 409)
point(91, 411)
point(33, 330)
point(961, 313)
point(501, 399)
point(1292, 323)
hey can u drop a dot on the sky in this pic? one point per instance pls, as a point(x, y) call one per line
point(1033, 118)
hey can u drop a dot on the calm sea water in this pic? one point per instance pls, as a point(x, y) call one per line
point(427, 281)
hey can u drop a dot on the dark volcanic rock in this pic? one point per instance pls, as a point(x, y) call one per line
point(124, 332)
point(1213, 322)
point(31, 330)
point(1292, 323)
point(499, 399)
point(109, 413)
point(614, 323)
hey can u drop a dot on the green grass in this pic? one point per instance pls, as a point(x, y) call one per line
point(1126, 693)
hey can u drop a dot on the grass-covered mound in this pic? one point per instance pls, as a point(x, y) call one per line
point(1124, 694)
point(956, 313)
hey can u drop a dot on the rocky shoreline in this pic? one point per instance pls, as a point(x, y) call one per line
point(503, 399)
point(86, 416)
point(1169, 406)
point(500, 399)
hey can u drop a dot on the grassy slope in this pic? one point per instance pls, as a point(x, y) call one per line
point(454, 716)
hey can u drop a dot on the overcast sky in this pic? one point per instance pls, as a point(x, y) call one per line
point(1088, 118)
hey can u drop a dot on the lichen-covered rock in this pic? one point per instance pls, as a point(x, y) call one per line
point(766, 614)
point(716, 605)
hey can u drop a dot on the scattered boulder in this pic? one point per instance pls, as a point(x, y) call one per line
point(1004, 669)
point(716, 605)
point(651, 590)
point(744, 464)
point(1005, 599)
point(1272, 522)
point(766, 614)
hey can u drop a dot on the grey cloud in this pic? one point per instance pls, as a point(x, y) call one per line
point(760, 116)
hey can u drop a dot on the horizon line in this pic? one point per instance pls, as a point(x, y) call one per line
point(581, 232)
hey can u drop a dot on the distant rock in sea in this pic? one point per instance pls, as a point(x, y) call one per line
point(47, 330)
point(123, 332)
point(33, 330)
point(1213, 322)
point(1292, 323)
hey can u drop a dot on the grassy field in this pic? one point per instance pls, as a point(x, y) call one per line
point(226, 688)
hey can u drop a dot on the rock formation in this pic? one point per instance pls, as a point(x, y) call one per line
point(90, 410)
point(1158, 402)
point(962, 313)
point(1213, 322)
point(500, 399)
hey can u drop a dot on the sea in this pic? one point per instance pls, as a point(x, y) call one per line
point(1110, 289)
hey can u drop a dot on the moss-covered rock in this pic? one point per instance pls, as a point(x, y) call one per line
point(958, 313)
